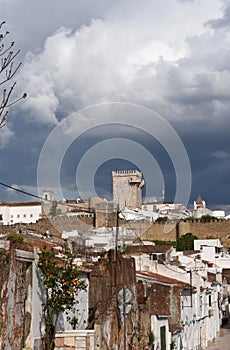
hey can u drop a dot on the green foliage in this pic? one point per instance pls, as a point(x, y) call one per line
point(60, 277)
point(206, 218)
point(162, 219)
point(186, 242)
point(15, 237)
point(159, 242)
point(151, 338)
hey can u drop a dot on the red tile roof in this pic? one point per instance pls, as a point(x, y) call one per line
point(148, 248)
point(161, 278)
point(20, 204)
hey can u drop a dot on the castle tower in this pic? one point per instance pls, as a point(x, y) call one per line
point(127, 188)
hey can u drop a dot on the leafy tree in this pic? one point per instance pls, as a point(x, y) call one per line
point(206, 218)
point(60, 277)
point(186, 242)
point(8, 69)
point(159, 242)
point(161, 219)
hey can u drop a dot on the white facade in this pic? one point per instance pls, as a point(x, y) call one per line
point(218, 213)
point(38, 297)
point(200, 314)
point(199, 318)
point(13, 213)
point(199, 243)
point(173, 211)
point(160, 329)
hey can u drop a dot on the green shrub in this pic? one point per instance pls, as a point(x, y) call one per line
point(186, 242)
point(151, 338)
point(15, 237)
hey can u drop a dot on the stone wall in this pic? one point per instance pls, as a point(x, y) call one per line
point(54, 226)
point(13, 327)
point(203, 230)
point(105, 219)
point(156, 299)
point(75, 340)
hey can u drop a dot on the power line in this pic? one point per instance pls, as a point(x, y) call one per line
point(22, 191)
point(42, 199)
point(86, 210)
point(134, 231)
point(150, 252)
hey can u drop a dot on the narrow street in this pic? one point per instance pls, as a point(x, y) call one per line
point(223, 342)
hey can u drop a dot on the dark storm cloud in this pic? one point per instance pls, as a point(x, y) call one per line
point(32, 21)
point(92, 52)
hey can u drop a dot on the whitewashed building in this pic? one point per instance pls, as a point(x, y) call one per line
point(24, 212)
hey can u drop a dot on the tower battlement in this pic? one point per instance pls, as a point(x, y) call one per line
point(126, 172)
point(127, 185)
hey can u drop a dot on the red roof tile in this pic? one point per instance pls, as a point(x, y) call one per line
point(20, 204)
point(161, 278)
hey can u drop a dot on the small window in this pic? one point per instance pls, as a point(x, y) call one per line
point(11, 216)
point(31, 215)
point(1, 217)
point(24, 215)
point(18, 216)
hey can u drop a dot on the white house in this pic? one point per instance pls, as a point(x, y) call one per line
point(24, 212)
point(199, 302)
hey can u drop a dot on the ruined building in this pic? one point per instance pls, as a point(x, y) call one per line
point(127, 188)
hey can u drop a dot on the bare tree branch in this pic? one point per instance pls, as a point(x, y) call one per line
point(7, 72)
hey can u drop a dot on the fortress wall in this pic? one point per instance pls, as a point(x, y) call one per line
point(203, 230)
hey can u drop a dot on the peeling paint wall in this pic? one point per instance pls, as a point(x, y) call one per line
point(13, 298)
point(107, 280)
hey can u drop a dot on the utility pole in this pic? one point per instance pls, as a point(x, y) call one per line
point(117, 232)
point(190, 287)
point(125, 297)
point(124, 314)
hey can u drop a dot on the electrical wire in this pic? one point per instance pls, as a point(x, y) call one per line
point(86, 210)
point(42, 199)
point(183, 273)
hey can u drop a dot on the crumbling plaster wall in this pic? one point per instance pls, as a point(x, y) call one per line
point(13, 297)
point(107, 279)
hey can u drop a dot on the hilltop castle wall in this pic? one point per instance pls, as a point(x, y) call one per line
point(203, 230)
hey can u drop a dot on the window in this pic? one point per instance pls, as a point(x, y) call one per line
point(1, 217)
point(31, 215)
point(24, 215)
point(11, 216)
point(18, 216)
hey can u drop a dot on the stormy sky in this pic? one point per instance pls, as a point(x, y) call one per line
point(109, 64)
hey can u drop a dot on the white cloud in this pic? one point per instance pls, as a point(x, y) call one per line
point(141, 54)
